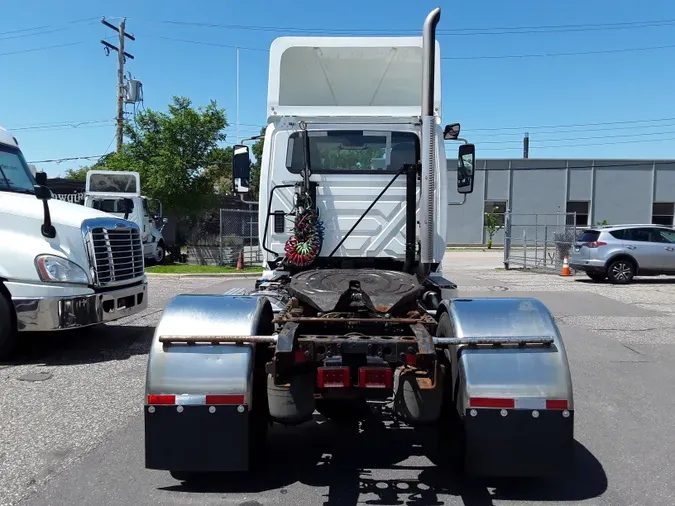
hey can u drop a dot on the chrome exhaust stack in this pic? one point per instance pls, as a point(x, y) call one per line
point(428, 151)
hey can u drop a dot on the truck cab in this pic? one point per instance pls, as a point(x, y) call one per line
point(119, 193)
point(62, 266)
point(360, 134)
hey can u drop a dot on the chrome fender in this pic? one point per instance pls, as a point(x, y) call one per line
point(529, 374)
point(225, 369)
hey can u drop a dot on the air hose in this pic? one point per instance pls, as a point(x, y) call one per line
point(304, 245)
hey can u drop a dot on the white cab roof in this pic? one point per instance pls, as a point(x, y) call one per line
point(348, 76)
point(113, 183)
point(7, 138)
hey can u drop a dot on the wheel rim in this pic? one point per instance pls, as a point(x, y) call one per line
point(621, 271)
point(160, 254)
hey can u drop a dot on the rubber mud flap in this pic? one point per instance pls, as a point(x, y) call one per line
point(519, 444)
point(196, 439)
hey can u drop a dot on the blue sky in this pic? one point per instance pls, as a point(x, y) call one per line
point(610, 104)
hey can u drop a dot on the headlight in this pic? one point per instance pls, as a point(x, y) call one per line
point(56, 269)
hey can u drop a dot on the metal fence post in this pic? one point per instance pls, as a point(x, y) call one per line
point(545, 243)
point(220, 236)
point(507, 238)
point(524, 248)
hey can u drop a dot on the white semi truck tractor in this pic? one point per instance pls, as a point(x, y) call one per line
point(62, 266)
point(352, 313)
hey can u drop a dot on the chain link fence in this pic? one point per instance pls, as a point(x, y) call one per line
point(237, 234)
point(539, 241)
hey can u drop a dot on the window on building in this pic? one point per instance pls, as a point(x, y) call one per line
point(662, 213)
point(497, 207)
point(579, 207)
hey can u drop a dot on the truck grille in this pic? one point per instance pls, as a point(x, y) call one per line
point(116, 252)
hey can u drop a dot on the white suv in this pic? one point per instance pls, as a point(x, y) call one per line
point(621, 252)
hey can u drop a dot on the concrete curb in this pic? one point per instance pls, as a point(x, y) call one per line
point(225, 275)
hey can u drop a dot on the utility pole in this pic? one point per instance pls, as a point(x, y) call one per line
point(121, 60)
point(237, 102)
point(526, 145)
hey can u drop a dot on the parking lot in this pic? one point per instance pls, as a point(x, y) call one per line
point(72, 433)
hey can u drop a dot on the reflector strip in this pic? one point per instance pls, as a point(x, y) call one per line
point(531, 403)
point(161, 399)
point(556, 404)
point(225, 399)
point(197, 399)
point(489, 402)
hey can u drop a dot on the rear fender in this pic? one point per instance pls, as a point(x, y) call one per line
point(528, 373)
point(510, 429)
point(218, 369)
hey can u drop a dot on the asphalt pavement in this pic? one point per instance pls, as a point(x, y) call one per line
point(72, 426)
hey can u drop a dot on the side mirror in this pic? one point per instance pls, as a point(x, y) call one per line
point(127, 205)
point(41, 178)
point(451, 132)
point(465, 168)
point(241, 169)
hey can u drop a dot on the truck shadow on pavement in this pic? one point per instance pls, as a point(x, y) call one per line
point(380, 465)
point(90, 345)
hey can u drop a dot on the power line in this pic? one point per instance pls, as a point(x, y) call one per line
point(460, 58)
point(446, 31)
point(620, 136)
point(549, 55)
point(575, 145)
point(71, 22)
point(41, 48)
point(214, 44)
point(571, 125)
point(59, 160)
point(59, 125)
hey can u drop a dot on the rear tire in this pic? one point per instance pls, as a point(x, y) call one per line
point(8, 333)
point(596, 276)
point(160, 253)
point(621, 271)
point(450, 428)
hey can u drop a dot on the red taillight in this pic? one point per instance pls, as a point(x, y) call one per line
point(376, 377)
point(489, 402)
point(299, 355)
point(556, 404)
point(161, 399)
point(332, 377)
point(596, 244)
point(225, 399)
point(410, 359)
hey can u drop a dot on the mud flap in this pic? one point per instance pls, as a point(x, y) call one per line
point(197, 439)
point(518, 444)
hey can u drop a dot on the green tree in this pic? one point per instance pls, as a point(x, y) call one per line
point(176, 154)
point(76, 174)
point(492, 224)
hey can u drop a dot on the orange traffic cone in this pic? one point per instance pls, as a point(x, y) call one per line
point(240, 261)
point(565, 268)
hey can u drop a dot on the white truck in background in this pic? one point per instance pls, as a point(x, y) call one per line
point(61, 265)
point(119, 193)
